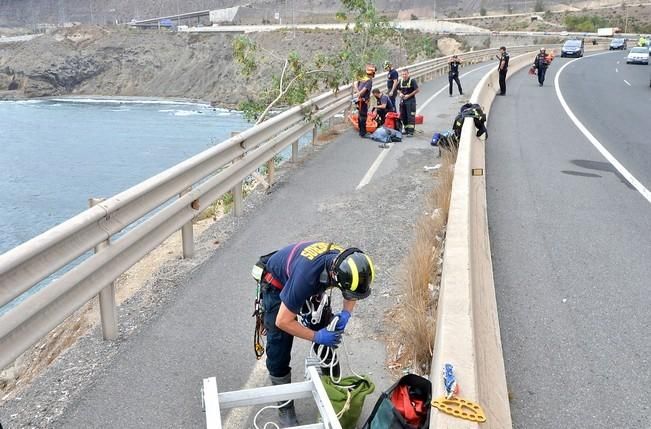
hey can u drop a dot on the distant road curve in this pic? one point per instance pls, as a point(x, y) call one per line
point(429, 26)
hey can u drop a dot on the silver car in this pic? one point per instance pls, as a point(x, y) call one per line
point(638, 55)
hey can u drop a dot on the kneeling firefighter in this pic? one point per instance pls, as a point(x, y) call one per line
point(296, 284)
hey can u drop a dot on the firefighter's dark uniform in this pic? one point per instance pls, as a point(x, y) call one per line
point(384, 100)
point(362, 104)
point(391, 78)
point(408, 106)
point(540, 63)
point(502, 70)
point(453, 75)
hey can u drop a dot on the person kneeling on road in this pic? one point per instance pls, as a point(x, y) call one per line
point(383, 105)
point(298, 281)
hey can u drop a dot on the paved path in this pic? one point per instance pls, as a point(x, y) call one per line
point(571, 244)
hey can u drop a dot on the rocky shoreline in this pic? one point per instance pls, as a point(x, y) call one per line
point(117, 61)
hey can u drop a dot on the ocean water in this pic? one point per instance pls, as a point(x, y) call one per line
point(55, 154)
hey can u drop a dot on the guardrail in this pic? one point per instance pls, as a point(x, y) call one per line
point(175, 196)
point(468, 333)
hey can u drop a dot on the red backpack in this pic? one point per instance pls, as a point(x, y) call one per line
point(405, 405)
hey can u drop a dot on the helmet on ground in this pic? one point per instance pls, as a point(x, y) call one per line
point(353, 272)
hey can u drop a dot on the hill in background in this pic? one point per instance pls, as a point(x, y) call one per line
point(14, 13)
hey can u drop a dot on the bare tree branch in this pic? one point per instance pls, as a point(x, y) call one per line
point(284, 91)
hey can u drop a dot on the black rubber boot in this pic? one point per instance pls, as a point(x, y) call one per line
point(286, 414)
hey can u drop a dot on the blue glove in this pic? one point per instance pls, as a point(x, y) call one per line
point(327, 338)
point(343, 320)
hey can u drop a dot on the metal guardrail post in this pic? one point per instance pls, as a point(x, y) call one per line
point(295, 151)
point(107, 307)
point(271, 170)
point(315, 134)
point(238, 200)
point(187, 235)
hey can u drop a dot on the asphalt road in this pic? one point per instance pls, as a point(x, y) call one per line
point(206, 329)
point(571, 245)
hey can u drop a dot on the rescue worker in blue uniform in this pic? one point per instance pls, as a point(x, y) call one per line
point(392, 81)
point(364, 88)
point(453, 73)
point(383, 105)
point(408, 88)
point(294, 285)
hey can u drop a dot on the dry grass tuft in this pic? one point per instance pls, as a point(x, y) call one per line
point(416, 313)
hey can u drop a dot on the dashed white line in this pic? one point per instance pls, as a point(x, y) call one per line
point(378, 161)
point(592, 139)
point(626, 82)
point(616, 70)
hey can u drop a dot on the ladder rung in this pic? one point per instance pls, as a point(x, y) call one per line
point(265, 395)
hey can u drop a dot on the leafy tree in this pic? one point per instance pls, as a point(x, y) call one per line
point(482, 11)
point(584, 23)
point(297, 78)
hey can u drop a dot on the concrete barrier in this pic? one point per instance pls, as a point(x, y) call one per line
point(468, 334)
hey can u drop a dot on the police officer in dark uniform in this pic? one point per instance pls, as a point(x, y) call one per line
point(453, 73)
point(502, 69)
point(408, 89)
point(294, 284)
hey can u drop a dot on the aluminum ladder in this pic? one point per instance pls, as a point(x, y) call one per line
point(312, 387)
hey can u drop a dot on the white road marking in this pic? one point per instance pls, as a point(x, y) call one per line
point(592, 139)
point(371, 171)
point(429, 100)
point(626, 82)
point(616, 70)
point(378, 161)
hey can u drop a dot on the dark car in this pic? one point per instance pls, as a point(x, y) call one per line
point(572, 48)
point(618, 44)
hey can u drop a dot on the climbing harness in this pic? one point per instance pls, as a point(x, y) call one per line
point(258, 312)
point(258, 308)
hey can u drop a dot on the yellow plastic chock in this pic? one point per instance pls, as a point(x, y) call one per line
point(461, 408)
